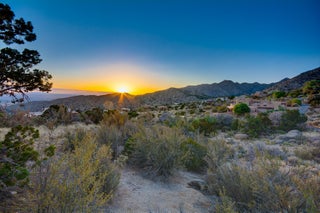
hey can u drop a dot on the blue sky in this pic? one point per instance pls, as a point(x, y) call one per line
point(146, 45)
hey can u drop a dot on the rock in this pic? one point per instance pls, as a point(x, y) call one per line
point(241, 136)
point(199, 185)
point(278, 141)
point(230, 141)
point(294, 134)
point(166, 116)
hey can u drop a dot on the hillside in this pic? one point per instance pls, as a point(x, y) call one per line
point(81, 102)
point(225, 88)
point(200, 92)
point(173, 95)
point(295, 82)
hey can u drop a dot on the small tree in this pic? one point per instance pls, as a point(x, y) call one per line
point(241, 109)
point(15, 151)
point(16, 74)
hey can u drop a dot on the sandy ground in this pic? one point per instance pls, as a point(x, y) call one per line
point(139, 194)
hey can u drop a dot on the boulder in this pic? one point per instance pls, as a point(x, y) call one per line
point(294, 134)
point(241, 136)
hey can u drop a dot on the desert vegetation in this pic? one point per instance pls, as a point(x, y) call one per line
point(257, 153)
point(248, 162)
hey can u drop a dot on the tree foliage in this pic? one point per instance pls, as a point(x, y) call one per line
point(16, 73)
point(15, 151)
point(241, 109)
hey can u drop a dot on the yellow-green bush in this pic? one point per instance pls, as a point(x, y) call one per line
point(82, 180)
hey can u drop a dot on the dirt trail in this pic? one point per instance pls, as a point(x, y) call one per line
point(138, 194)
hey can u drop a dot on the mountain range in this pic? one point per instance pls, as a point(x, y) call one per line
point(172, 95)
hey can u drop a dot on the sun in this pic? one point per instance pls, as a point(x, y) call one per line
point(122, 89)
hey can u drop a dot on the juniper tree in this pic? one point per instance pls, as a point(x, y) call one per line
point(16, 73)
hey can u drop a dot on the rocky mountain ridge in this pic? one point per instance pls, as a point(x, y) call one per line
point(296, 82)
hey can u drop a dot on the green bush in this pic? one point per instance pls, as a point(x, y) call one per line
point(278, 94)
point(94, 115)
point(241, 109)
point(156, 150)
point(255, 126)
point(193, 155)
point(295, 93)
point(57, 114)
point(15, 151)
point(206, 125)
point(294, 102)
point(311, 87)
point(291, 120)
point(133, 114)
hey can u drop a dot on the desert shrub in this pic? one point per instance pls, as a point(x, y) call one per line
point(156, 150)
point(193, 155)
point(94, 115)
point(180, 113)
point(308, 184)
point(83, 180)
point(225, 204)
point(56, 114)
point(218, 153)
point(311, 87)
point(71, 137)
point(15, 119)
point(295, 93)
point(254, 126)
point(223, 121)
point(308, 153)
point(116, 136)
point(206, 125)
point(294, 102)
point(291, 119)
point(236, 124)
point(222, 109)
point(111, 136)
point(114, 117)
point(241, 109)
point(314, 100)
point(133, 114)
point(262, 187)
point(278, 94)
point(303, 153)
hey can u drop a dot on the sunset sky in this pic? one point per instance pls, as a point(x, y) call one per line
point(148, 45)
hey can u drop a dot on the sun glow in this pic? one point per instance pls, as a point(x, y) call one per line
point(122, 89)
